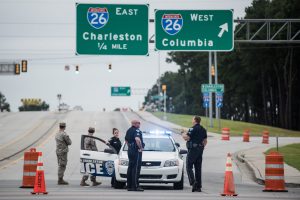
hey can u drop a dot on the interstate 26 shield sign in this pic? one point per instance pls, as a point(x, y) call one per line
point(172, 23)
point(97, 17)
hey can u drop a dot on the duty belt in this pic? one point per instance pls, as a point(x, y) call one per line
point(131, 144)
point(194, 145)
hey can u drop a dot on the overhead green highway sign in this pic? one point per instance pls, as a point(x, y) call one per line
point(212, 88)
point(194, 30)
point(111, 29)
point(120, 91)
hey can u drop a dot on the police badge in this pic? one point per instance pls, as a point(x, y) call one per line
point(109, 166)
point(97, 17)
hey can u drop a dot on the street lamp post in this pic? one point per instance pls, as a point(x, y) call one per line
point(158, 80)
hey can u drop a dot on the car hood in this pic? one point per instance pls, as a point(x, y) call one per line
point(151, 155)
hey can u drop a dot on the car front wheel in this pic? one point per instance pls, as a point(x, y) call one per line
point(179, 185)
point(118, 184)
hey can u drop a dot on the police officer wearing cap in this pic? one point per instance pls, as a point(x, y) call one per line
point(134, 140)
point(62, 142)
point(196, 140)
point(90, 144)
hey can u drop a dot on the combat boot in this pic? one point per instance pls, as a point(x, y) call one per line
point(95, 183)
point(62, 182)
point(83, 183)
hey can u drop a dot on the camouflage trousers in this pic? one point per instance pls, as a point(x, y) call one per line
point(62, 160)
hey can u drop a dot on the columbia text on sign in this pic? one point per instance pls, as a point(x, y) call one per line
point(194, 30)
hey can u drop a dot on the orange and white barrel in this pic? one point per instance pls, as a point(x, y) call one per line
point(274, 173)
point(265, 137)
point(246, 136)
point(29, 168)
point(225, 133)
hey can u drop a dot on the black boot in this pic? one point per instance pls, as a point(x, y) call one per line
point(195, 187)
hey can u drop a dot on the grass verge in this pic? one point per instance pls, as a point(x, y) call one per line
point(236, 128)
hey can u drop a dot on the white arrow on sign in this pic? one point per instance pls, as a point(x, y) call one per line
point(224, 27)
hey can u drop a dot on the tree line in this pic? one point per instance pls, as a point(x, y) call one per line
point(262, 81)
point(4, 106)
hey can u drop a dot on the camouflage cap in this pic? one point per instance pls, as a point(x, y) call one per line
point(91, 130)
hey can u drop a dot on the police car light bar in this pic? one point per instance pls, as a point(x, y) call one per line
point(159, 132)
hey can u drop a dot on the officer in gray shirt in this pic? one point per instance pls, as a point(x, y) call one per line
point(90, 144)
point(62, 142)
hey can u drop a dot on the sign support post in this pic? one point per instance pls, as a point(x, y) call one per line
point(164, 88)
point(210, 93)
point(216, 82)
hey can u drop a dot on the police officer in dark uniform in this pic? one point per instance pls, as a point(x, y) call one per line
point(196, 140)
point(116, 144)
point(134, 140)
point(115, 141)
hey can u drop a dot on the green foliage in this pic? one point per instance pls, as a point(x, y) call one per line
point(39, 107)
point(3, 104)
point(291, 154)
point(261, 80)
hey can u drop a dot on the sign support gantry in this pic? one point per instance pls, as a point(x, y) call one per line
point(274, 31)
point(267, 31)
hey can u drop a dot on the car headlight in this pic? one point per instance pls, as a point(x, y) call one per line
point(123, 162)
point(171, 163)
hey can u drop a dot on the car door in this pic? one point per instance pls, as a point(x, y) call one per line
point(99, 162)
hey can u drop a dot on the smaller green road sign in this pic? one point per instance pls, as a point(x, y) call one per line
point(120, 91)
point(111, 29)
point(158, 97)
point(212, 88)
point(194, 30)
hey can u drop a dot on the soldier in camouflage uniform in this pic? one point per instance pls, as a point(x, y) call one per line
point(90, 144)
point(62, 143)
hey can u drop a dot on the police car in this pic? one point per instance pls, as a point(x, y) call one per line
point(161, 163)
point(100, 162)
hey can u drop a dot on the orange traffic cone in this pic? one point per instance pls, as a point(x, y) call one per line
point(39, 185)
point(229, 189)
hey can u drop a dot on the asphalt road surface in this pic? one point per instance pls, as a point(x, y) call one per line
point(15, 128)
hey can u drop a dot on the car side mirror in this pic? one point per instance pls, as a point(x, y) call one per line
point(109, 150)
point(183, 151)
point(177, 144)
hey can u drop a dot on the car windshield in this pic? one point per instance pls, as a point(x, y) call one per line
point(157, 144)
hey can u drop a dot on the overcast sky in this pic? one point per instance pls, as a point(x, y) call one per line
point(43, 32)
